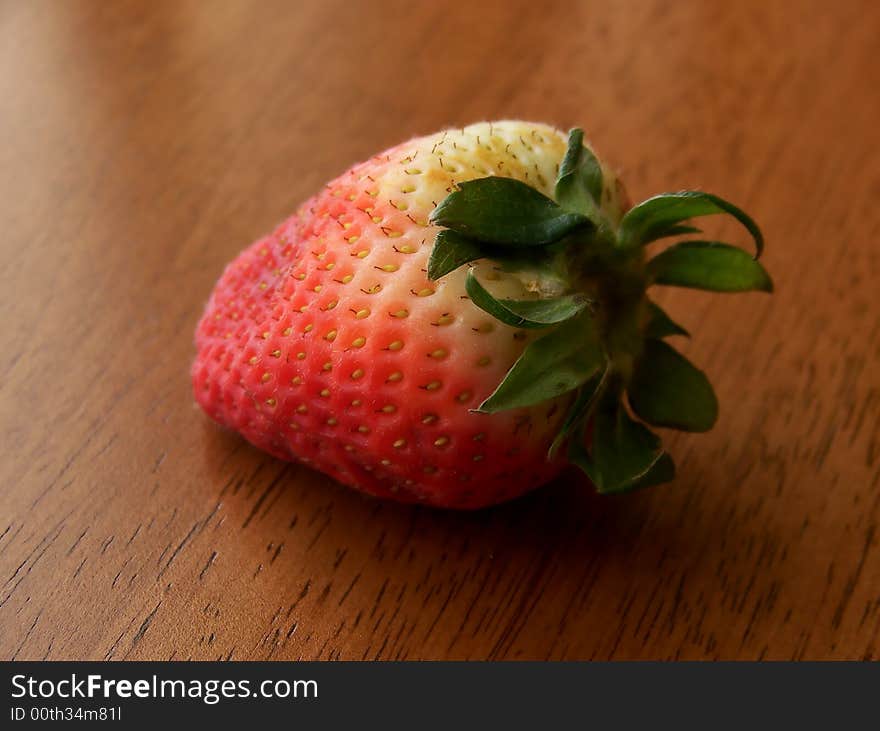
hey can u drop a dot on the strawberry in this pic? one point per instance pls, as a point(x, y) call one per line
point(456, 319)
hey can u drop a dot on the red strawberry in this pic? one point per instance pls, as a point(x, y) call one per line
point(354, 340)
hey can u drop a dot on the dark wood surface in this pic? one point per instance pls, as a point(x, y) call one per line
point(143, 144)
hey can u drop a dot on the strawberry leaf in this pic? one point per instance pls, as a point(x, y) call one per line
point(558, 363)
point(624, 454)
point(674, 230)
point(666, 389)
point(580, 410)
point(663, 470)
point(660, 325)
point(709, 265)
point(579, 183)
point(452, 250)
point(654, 217)
point(505, 211)
point(524, 313)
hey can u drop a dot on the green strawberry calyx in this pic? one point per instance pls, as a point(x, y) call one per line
point(604, 340)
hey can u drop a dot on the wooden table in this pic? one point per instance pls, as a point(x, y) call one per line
point(144, 144)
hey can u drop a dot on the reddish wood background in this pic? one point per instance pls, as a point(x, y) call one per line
point(143, 144)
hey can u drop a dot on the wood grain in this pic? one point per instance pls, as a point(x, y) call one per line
point(144, 144)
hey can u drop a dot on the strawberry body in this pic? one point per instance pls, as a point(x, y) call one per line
point(326, 343)
point(454, 319)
